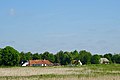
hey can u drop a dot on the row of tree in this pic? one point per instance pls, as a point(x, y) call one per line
point(11, 57)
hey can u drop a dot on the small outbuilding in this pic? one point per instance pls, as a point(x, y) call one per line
point(77, 62)
point(104, 61)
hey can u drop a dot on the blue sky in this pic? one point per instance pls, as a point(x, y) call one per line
point(54, 25)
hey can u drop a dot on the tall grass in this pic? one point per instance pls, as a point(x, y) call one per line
point(86, 72)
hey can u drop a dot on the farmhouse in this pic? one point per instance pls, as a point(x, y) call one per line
point(104, 61)
point(38, 63)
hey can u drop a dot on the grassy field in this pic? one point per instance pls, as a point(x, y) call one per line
point(86, 72)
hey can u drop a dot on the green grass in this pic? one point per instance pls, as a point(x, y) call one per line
point(111, 71)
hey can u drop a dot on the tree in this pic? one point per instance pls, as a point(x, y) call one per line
point(116, 58)
point(68, 58)
point(45, 55)
point(60, 57)
point(22, 58)
point(28, 56)
point(56, 59)
point(109, 57)
point(85, 57)
point(95, 59)
point(75, 55)
point(48, 56)
point(36, 56)
point(0, 49)
point(101, 56)
point(51, 57)
point(10, 56)
point(0, 56)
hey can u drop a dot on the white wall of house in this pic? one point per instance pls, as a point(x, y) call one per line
point(104, 61)
point(80, 62)
point(25, 64)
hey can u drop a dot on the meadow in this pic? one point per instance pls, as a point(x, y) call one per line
point(85, 72)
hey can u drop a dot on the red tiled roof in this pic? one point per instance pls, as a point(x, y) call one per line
point(39, 62)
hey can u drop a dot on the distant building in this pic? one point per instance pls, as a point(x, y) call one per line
point(25, 64)
point(56, 64)
point(104, 61)
point(77, 62)
point(38, 63)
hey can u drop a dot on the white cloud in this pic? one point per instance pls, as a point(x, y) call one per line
point(12, 12)
point(7, 42)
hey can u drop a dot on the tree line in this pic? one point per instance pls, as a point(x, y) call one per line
point(11, 57)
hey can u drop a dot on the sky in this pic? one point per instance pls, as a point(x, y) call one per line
point(54, 25)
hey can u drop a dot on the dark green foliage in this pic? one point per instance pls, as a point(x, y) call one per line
point(75, 55)
point(85, 57)
point(116, 58)
point(0, 49)
point(51, 58)
point(101, 56)
point(45, 55)
point(63, 58)
point(36, 56)
point(95, 59)
point(0, 56)
point(48, 56)
point(56, 59)
point(109, 57)
point(60, 57)
point(67, 58)
point(9, 56)
point(22, 57)
point(28, 56)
